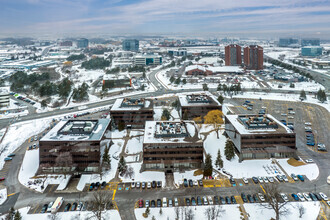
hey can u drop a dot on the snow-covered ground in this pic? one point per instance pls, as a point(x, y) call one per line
point(230, 212)
point(19, 133)
point(3, 195)
point(109, 214)
point(134, 145)
point(178, 177)
point(306, 86)
point(256, 211)
point(310, 170)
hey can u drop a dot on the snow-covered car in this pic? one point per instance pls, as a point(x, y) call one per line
point(261, 197)
point(270, 179)
point(301, 197)
point(323, 196)
point(245, 180)
point(284, 197)
point(176, 202)
point(307, 197)
point(205, 202)
point(210, 200)
point(261, 180)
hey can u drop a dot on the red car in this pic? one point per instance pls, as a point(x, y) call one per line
point(140, 203)
point(2, 179)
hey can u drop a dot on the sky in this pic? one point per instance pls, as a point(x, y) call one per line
point(192, 17)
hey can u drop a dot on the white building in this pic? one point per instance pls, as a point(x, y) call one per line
point(148, 59)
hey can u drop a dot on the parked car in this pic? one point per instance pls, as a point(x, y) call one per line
point(185, 182)
point(216, 200)
point(2, 179)
point(261, 197)
point(199, 200)
point(255, 180)
point(103, 184)
point(11, 155)
point(250, 198)
point(164, 202)
point(79, 207)
point(309, 161)
point(138, 185)
point(191, 184)
point(270, 179)
point(261, 180)
point(301, 178)
point(228, 201)
point(279, 177)
point(133, 185)
point(265, 179)
point(159, 184)
point(200, 182)
point(140, 203)
point(255, 197)
point(307, 197)
point(285, 178)
point(143, 185)
point(319, 198)
point(195, 183)
point(170, 203)
point(284, 197)
point(205, 202)
point(49, 209)
point(294, 177)
point(233, 200)
point(243, 197)
point(210, 200)
point(91, 187)
point(149, 185)
point(222, 200)
point(245, 180)
point(44, 208)
point(323, 196)
point(67, 207)
point(74, 206)
point(153, 204)
point(232, 181)
point(147, 204)
point(159, 203)
point(8, 159)
point(301, 197)
point(187, 201)
point(97, 185)
point(295, 197)
point(176, 202)
point(313, 197)
point(153, 184)
point(193, 201)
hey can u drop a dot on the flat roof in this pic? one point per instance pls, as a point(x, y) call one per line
point(198, 99)
point(171, 132)
point(129, 104)
point(257, 124)
point(77, 130)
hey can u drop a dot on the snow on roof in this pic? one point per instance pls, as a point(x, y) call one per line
point(118, 105)
point(184, 99)
point(216, 69)
point(242, 129)
point(171, 132)
point(61, 133)
point(192, 67)
point(114, 77)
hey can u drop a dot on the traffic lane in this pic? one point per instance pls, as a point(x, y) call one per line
point(10, 202)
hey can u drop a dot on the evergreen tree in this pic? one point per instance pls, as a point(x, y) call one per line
point(106, 158)
point(321, 96)
point(220, 99)
point(17, 216)
point(302, 94)
point(205, 87)
point(219, 161)
point(208, 168)
point(166, 114)
point(160, 211)
point(121, 125)
point(122, 164)
point(172, 79)
point(219, 88)
point(147, 212)
point(229, 150)
point(184, 81)
point(177, 81)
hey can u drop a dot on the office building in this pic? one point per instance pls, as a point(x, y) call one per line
point(310, 42)
point(130, 45)
point(82, 43)
point(288, 42)
point(233, 56)
point(172, 145)
point(260, 137)
point(178, 52)
point(67, 43)
point(73, 146)
point(197, 105)
point(111, 81)
point(311, 51)
point(148, 59)
point(253, 57)
point(132, 112)
point(4, 98)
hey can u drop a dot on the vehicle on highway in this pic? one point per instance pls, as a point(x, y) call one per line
point(159, 203)
point(205, 202)
point(228, 201)
point(49, 208)
point(164, 202)
point(284, 197)
point(176, 202)
point(301, 197)
point(152, 204)
point(243, 197)
point(67, 207)
point(245, 180)
point(295, 197)
point(199, 200)
point(74, 206)
point(210, 200)
point(44, 208)
point(323, 196)
point(261, 197)
point(301, 178)
point(294, 177)
point(140, 203)
point(8, 159)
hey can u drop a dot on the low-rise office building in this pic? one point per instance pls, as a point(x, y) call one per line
point(260, 137)
point(4, 98)
point(148, 59)
point(198, 104)
point(111, 81)
point(132, 112)
point(73, 146)
point(311, 51)
point(171, 146)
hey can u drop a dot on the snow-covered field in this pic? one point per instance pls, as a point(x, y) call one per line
point(310, 170)
point(3, 195)
point(134, 145)
point(19, 133)
point(178, 177)
point(306, 86)
point(109, 214)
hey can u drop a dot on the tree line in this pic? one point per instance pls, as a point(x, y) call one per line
point(95, 63)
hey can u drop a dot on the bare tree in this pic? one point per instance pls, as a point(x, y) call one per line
point(129, 173)
point(189, 215)
point(207, 213)
point(53, 216)
point(177, 213)
point(274, 200)
point(100, 199)
point(216, 211)
point(301, 210)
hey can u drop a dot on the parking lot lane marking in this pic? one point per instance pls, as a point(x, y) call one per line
point(11, 194)
point(262, 188)
point(36, 209)
point(114, 194)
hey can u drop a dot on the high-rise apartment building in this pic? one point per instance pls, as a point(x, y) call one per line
point(253, 57)
point(82, 43)
point(233, 55)
point(131, 45)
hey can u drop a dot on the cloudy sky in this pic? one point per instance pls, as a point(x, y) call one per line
point(250, 17)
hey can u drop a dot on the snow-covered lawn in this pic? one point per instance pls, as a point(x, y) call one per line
point(145, 176)
point(134, 145)
point(310, 170)
point(109, 214)
point(178, 177)
point(312, 209)
point(3, 195)
point(19, 133)
point(307, 86)
point(230, 212)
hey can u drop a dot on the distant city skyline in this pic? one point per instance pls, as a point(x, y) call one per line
point(246, 18)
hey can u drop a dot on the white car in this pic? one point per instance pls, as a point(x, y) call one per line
point(309, 161)
point(205, 200)
point(284, 197)
point(307, 197)
point(291, 112)
point(265, 179)
point(261, 197)
point(133, 185)
point(149, 185)
point(301, 197)
point(324, 197)
point(261, 180)
point(210, 200)
point(176, 202)
point(195, 183)
point(245, 180)
point(264, 107)
point(270, 179)
point(283, 114)
point(308, 123)
point(285, 178)
point(308, 128)
point(49, 209)
point(164, 202)
point(290, 117)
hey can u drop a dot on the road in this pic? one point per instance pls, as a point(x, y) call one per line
point(126, 199)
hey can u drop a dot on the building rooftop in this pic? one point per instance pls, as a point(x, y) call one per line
point(257, 124)
point(216, 69)
point(171, 132)
point(78, 130)
point(198, 99)
point(130, 104)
